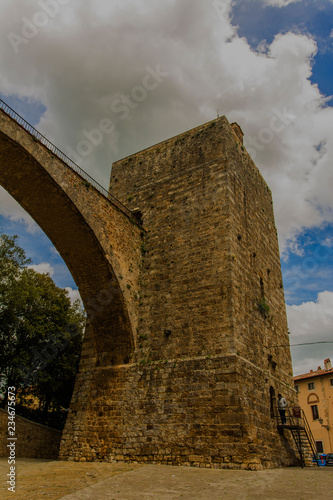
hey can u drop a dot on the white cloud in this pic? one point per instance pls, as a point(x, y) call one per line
point(10, 209)
point(311, 322)
point(279, 3)
point(43, 268)
point(89, 54)
point(54, 251)
point(73, 294)
point(328, 242)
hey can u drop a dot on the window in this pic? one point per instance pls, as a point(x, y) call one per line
point(311, 385)
point(320, 448)
point(332, 382)
point(315, 414)
point(262, 290)
point(312, 398)
point(273, 402)
point(297, 388)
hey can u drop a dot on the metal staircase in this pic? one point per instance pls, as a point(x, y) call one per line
point(297, 423)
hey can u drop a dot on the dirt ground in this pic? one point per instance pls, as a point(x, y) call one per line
point(46, 479)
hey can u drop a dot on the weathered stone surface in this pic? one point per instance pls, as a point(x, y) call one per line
point(140, 414)
point(32, 440)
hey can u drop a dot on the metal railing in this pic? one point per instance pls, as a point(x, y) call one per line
point(299, 427)
point(309, 434)
point(63, 157)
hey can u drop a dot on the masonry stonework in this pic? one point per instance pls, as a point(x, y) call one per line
point(33, 440)
point(97, 241)
point(207, 356)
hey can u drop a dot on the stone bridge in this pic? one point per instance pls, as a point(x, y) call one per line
point(97, 238)
point(179, 363)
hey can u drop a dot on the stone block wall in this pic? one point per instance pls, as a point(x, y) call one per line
point(199, 412)
point(33, 440)
point(211, 252)
point(181, 189)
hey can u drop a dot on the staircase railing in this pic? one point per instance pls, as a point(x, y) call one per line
point(70, 163)
point(299, 425)
point(309, 434)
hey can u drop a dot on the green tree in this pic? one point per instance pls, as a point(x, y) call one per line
point(12, 261)
point(40, 330)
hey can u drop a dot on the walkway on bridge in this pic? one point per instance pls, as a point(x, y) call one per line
point(56, 151)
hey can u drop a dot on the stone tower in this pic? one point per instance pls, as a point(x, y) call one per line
point(211, 348)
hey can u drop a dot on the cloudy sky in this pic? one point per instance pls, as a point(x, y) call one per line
point(156, 68)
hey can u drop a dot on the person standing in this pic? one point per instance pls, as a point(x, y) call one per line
point(282, 405)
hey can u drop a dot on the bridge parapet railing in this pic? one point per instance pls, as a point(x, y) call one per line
point(68, 161)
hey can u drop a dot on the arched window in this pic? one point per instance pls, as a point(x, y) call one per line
point(312, 398)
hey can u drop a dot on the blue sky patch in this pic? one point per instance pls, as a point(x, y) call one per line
point(257, 24)
point(309, 270)
point(29, 109)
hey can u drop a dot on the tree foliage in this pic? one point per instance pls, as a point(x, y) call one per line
point(40, 330)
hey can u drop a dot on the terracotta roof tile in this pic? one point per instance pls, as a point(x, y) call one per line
point(316, 373)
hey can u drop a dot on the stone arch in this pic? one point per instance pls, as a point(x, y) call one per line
point(93, 236)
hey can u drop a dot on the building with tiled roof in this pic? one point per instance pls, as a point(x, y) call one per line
point(315, 395)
